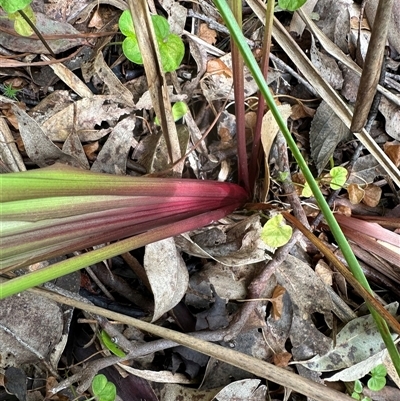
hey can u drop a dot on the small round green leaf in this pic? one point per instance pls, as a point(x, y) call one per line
point(109, 392)
point(358, 387)
point(379, 370)
point(103, 389)
point(172, 51)
point(291, 5)
point(356, 396)
point(125, 24)
point(276, 232)
point(179, 109)
point(339, 177)
point(376, 383)
point(98, 384)
point(306, 192)
point(161, 27)
point(12, 6)
point(20, 25)
point(130, 47)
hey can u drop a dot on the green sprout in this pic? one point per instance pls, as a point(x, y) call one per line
point(110, 344)
point(9, 91)
point(289, 5)
point(170, 45)
point(179, 109)
point(276, 232)
point(337, 178)
point(103, 390)
point(13, 9)
point(375, 383)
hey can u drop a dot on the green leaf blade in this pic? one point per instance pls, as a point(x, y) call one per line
point(172, 51)
point(130, 47)
point(125, 24)
point(275, 232)
point(12, 6)
point(291, 5)
point(339, 177)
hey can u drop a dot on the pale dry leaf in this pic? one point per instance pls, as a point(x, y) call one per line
point(365, 171)
point(244, 390)
point(46, 26)
point(391, 113)
point(324, 272)
point(243, 244)
point(358, 340)
point(307, 291)
point(113, 156)
point(177, 18)
point(176, 392)
point(394, 25)
point(334, 20)
point(40, 149)
point(269, 129)
point(360, 369)
point(327, 66)
point(327, 131)
point(167, 274)
point(165, 376)
point(89, 115)
point(113, 85)
point(73, 146)
point(69, 78)
point(33, 319)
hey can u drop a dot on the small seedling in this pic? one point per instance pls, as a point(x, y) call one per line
point(179, 109)
point(290, 5)
point(336, 179)
point(276, 232)
point(12, 8)
point(9, 91)
point(103, 390)
point(110, 344)
point(170, 45)
point(375, 383)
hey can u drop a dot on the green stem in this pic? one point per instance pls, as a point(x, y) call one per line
point(344, 246)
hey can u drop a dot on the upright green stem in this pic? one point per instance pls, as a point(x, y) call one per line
point(352, 262)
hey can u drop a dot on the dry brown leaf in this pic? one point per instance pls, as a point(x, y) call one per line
point(372, 195)
point(324, 272)
point(207, 34)
point(282, 359)
point(300, 110)
point(96, 21)
point(393, 151)
point(269, 129)
point(276, 301)
point(217, 66)
point(356, 193)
